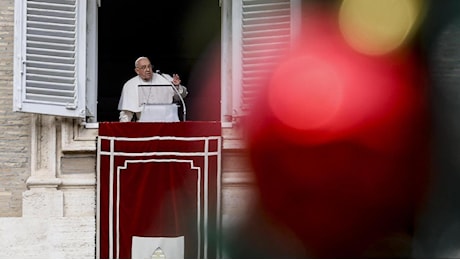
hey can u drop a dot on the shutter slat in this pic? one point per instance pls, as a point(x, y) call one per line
point(33, 31)
point(53, 99)
point(52, 26)
point(265, 4)
point(266, 26)
point(279, 11)
point(49, 78)
point(51, 52)
point(61, 2)
point(53, 46)
point(49, 92)
point(52, 14)
point(51, 39)
point(265, 20)
point(52, 20)
point(48, 6)
point(266, 40)
point(51, 66)
point(270, 34)
point(50, 85)
point(49, 59)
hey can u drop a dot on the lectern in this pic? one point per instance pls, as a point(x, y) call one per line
point(157, 112)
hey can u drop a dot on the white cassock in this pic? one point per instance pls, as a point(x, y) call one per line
point(151, 104)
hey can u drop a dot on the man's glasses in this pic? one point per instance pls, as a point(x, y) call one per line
point(144, 67)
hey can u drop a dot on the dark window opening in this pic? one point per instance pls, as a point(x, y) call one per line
point(178, 36)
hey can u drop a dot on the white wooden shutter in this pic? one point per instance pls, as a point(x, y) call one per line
point(50, 57)
point(267, 29)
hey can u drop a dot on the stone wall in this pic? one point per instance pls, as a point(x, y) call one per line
point(47, 175)
point(14, 127)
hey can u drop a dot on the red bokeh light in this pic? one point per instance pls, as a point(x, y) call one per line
point(338, 143)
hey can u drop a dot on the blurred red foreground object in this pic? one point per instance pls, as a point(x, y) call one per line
point(339, 144)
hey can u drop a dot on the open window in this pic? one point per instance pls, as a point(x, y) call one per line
point(72, 57)
point(180, 37)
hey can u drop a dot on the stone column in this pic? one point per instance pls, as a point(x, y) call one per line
point(43, 197)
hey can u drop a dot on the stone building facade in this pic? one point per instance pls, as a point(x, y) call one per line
point(48, 173)
point(15, 128)
point(48, 163)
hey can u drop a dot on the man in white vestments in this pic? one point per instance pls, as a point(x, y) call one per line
point(150, 103)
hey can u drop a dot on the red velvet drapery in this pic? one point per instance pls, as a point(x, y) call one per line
point(158, 180)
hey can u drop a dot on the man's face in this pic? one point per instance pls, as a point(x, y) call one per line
point(144, 69)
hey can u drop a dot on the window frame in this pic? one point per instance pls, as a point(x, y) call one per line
point(86, 54)
point(232, 56)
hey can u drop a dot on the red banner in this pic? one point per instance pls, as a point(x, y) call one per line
point(159, 181)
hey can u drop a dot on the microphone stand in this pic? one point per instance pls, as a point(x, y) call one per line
point(184, 110)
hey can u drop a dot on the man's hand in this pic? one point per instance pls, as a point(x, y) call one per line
point(176, 80)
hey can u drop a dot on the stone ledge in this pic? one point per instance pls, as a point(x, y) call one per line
point(54, 237)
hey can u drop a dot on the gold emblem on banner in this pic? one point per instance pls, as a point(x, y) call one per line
point(158, 254)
